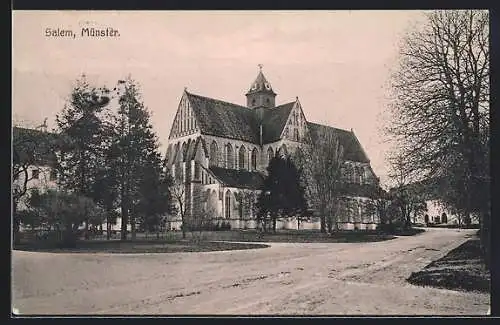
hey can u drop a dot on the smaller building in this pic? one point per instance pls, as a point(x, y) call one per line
point(437, 213)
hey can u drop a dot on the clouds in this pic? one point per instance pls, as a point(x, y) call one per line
point(336, 62)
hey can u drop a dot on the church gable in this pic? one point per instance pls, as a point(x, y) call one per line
point(296, 125)
point(185, 121)
point(273, 122)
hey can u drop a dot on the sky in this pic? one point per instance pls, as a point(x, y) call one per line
point(338, 63)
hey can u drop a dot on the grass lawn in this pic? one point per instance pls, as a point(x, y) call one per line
point(172, 242)
point(461, 269)
point(294, 236)
point(139, 246)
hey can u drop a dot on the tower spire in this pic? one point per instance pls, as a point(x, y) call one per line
point(261, 93)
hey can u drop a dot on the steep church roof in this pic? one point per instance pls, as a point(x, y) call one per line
point(223, 119)
point(274, 121)
point(352, 148)
point(233, 121)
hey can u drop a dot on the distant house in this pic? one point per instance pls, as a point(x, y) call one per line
point(37, 150)
point(432, 191)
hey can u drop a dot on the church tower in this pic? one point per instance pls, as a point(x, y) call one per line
point(261, 93)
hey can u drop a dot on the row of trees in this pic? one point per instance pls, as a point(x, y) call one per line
point(440, 111)
point(310, 183)
point(107, 154)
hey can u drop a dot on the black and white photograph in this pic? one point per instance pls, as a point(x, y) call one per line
point(250, 163)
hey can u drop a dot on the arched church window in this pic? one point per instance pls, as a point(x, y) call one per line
point(359, 174)
point(206, 200)
point(241, 157)
point(267, 100)
point(183, 151)
point(295, 134)
point(214, 154)
point(179, 172)
point(197, 170)
point(227, 205)
point(356, 211)
point(254, 159)
point(253, 101)
point(229, 156)
point(282, 152)
point(270, 154)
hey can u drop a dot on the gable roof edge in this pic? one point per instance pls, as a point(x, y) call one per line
point(361, 146)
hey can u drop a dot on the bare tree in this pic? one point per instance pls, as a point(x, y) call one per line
point(320, 162)
point(177, 191)
point(441, 107)
point(379, 206)
point(407, 195)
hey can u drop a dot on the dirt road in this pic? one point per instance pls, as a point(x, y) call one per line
point(287, 279)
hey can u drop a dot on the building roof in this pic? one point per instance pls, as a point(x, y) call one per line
point(238, 178)
point(274, 120)
point(34, 146)
point(352, 148)
point(233, 121)
point(223, 119)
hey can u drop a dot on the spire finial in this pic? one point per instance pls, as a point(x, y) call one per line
point(260, 65)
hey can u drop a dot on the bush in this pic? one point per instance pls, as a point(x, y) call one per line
point(225, 226)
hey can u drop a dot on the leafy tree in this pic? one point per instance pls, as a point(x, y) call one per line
point(82, 134)
point(441, 108)
point(282, 193)
point(154, 194)
point(136, 158)
point(30, 150)
point(64, 212)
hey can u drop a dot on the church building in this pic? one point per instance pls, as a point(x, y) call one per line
point(219, 152)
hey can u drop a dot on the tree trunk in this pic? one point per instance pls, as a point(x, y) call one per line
point(274, 223)
point(183, 227)
point(132, 227)
point(86, 229)
point(323, 222)
point(485, 237)
point(124, 213)
point(108, 229)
